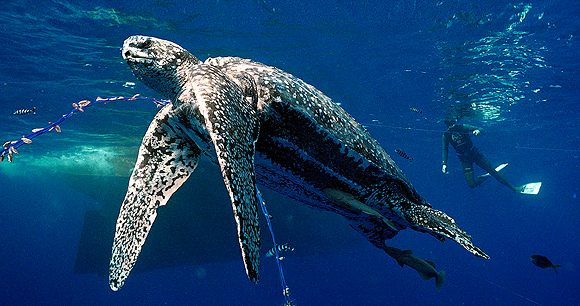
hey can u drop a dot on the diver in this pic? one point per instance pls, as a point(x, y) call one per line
point(459, 137)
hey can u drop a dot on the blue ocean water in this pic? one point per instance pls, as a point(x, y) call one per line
point(510, 67)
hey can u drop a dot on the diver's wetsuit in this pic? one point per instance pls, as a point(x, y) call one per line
point(458, 136)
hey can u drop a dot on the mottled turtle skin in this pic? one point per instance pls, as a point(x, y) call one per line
point(262, 126)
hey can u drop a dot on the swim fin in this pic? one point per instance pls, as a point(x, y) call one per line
point(530, 188)
point(496, 169)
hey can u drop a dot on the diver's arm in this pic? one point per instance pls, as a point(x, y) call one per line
point(445, 152)
point(473, 129)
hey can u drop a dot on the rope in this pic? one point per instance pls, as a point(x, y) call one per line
point(285, 288)
point(10, 147)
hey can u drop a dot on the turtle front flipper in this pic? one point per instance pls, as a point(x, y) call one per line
point(167, 157)
point(232, 122)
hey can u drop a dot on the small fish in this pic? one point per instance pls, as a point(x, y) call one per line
point(280, 247)
point(416, 110)
point(77, 107)
point(25, 111)
point(84, 103)
point(103, 99)
point(543, 262)
point(8, 143)
point(404, 155)
point(26, 140)
point(54, 127)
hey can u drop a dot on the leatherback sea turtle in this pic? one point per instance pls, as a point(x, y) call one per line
point(260, 125)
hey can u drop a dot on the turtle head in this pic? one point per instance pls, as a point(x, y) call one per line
point(159, 64)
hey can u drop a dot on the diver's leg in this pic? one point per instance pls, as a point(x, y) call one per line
point(482, 162)
point(468, 174)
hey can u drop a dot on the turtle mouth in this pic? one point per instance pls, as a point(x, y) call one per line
point(137, 56)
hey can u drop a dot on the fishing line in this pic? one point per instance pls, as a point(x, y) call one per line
point(547, 149)
point(506, 289)
point(285, 288)
point(401, 128)
point(10, 147)
point(380, 125)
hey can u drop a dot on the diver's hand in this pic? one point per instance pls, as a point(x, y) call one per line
point(476, 132)
point(444, 169)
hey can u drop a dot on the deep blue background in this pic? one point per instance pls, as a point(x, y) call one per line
point(510, 67)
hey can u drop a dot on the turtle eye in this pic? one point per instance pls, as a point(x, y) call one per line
point(145, 44)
